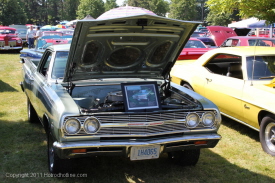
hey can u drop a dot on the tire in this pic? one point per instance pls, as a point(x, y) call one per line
point(55, 164)
point(32, 116)
point(267, 134)
point(186, 157)
point(188, 86)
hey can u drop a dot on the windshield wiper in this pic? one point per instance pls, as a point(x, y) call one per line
point(267, 77)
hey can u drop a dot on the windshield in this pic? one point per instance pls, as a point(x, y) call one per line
point(264, 67)
point(60, 64)
point(7, 31)
point(194, 44)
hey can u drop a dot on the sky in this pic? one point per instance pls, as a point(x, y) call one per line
point(118, 2)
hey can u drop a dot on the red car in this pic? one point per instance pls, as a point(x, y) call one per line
point(248, 41)
point(193, 49)
point(9, 39)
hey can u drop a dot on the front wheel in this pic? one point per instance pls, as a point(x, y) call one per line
point(55, 164)
point(267, 134)
point(186, 157)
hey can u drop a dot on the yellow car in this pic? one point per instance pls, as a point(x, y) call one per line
point(240, 81)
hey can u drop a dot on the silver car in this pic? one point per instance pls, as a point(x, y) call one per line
point(109, 93)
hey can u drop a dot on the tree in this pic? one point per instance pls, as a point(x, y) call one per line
point(110, 4)
point(261, 9)
point(222, 19)
point(90, 7)
point(159, 7)
point(183, 9)
point(12, 13)
point(70, 8)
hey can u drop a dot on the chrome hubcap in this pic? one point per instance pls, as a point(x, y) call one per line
point(270, 136)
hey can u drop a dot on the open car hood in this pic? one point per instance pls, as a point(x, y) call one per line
point(141, 46)
point(221, 33)
point(242, 31)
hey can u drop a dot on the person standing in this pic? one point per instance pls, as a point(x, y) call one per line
point(30, 35)
point(38, 34)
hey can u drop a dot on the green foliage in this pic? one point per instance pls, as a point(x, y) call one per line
point(261, 9)
point(90, 7)
point(218, 19)
point(159, 7)
point(183, 9)
point(110, 4)
point(12, 13)
point(70, 7)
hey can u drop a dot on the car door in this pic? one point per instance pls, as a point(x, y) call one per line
point(226, 90)
point(40, 81)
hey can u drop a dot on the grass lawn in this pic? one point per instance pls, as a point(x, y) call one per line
point(238, 157)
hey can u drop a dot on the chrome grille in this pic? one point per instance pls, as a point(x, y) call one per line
point(2, 43)
point(117, 124)
point(12, 43)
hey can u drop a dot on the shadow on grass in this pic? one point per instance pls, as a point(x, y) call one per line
point(24, 151)
point(15, 52)
point(5, 87)
point(243, 129)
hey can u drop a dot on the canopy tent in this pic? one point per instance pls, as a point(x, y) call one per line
point(260, 24)
point(73, 22)
point(244, 23)
point(88, 17)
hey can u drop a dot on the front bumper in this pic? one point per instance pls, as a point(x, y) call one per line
point(122, 148)
point(11, 48)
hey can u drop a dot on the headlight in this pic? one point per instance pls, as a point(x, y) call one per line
point(19, 41)
point(72, 126)
point(192, 120)
point(91, 125)
point(208, 119)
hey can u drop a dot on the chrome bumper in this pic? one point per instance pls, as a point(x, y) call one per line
point(122, 148)
point(11, 48)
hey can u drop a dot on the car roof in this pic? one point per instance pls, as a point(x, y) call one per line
point(238, 50)
point(61, 47)
point(250, 37)
point(6, 27)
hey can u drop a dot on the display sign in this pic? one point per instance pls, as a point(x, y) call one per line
point(141, 96)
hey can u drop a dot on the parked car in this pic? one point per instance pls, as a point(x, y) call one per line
point(52, 33)
point(35, 54)
point(197, 34)
point(220, 33)
point(66, 31)
point(240, 81)
point(9, 40)
point(248, 41)
point(21, 31)
point(109, 93)
point(193, 49)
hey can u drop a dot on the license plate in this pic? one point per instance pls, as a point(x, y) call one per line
point(145, 152)
point(7, 47)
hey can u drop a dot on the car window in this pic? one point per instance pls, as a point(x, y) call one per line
point(262, 67)
point(60, 64)
point(45, 65)
point(230, 43)
point(7, 31)
point(227, 65)
point(261, 42)
point(194, 44)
